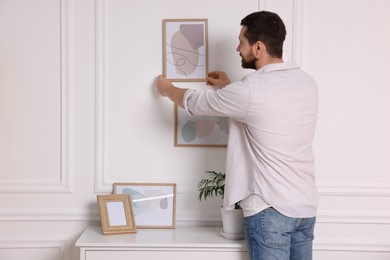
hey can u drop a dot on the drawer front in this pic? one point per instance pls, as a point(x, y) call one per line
point(165, 255)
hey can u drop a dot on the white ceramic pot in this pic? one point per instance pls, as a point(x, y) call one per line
point(232, 223)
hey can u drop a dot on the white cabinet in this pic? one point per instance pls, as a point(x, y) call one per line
point(163, 244)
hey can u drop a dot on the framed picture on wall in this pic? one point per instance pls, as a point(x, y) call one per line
point(201, 131)
point(185, 49)
point(154, 204)
point(116, 214)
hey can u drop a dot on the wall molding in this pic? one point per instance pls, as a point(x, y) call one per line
point(297, 27)
point(36, 243)
point(353, 190)
point(261, 5)
point(367, 246)
point(32, 243)
point(213, 215)
point(353, 217)
point(297, 33)
point(64, 183)
point(324, 189)
point(47, 215)
point(100, 153)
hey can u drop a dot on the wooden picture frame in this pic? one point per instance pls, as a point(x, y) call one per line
point(185, 49)
point(116, 214)
point(154, 204)
point(199, 131)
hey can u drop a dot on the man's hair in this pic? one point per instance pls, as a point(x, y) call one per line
point(268, 28)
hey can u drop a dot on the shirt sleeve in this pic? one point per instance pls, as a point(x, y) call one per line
point(231, 101)
point(186, 97)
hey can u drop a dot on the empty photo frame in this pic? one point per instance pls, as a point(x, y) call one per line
point(116, 214)
point(185, 49)
point(154, 204)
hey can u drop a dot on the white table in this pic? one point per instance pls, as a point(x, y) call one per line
point(203, 243)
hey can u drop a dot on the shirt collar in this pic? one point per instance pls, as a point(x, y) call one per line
point(278, 66)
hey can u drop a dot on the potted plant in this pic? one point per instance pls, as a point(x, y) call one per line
point(232, 220)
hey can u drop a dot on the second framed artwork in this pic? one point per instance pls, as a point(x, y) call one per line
point(200, 131)
point(154, 204)
point(185, 49)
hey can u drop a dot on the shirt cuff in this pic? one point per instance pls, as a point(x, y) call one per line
point(186, 98)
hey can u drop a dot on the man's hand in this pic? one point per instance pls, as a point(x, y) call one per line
point(218, 79)
point(163, 85)
point(166, 89)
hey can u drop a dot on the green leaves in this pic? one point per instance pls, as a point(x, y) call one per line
point(214, 185)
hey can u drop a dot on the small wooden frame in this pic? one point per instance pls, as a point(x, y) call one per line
point(154, 204)
point(185, 49)
point(116, 214)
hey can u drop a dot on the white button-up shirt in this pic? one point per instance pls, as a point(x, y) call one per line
point(273, 114)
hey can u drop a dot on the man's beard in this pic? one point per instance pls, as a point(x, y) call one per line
point(248, 64)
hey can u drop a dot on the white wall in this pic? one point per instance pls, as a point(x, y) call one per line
point(78, 112)
point(346, 50)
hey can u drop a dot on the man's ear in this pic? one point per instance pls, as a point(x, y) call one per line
point(258, 48)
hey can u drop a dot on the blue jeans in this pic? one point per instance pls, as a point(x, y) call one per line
point(273, 236)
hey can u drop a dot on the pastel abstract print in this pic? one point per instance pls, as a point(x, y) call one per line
point(200, 130)
point(153, 205)
point(185, 50)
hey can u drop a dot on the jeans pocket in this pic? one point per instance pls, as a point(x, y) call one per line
point(276, 228)
point(308, 227)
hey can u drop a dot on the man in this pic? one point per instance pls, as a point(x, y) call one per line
point(270, 163)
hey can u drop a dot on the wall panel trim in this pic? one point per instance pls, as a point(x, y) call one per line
point(100, 158)
point(47, 215)
point(353, 217)
point(65, 179)
point(367, 246)
point(353, 190)
point(297, 27)
point(35, 243)
point(331, 217)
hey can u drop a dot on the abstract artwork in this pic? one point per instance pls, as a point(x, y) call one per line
point(203, 131)
point(154, 204)
point(185, 49)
